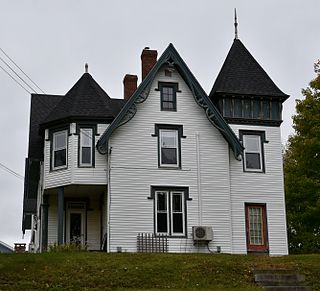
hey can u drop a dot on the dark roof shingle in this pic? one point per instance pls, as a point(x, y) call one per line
point(86, 99)
point(242, 74)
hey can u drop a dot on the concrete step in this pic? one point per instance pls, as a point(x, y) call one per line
point(280, 280)
point(287, 288)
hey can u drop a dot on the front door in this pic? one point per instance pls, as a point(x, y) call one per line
point(75, 230)
point(256, 224)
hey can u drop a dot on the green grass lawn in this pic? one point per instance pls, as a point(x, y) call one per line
point(101, 271)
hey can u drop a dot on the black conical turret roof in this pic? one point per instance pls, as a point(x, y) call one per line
point(85, 100)
point(242, 74)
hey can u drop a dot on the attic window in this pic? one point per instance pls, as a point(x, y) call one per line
point(168, 96)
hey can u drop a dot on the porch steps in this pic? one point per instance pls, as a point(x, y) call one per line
point(280, 280)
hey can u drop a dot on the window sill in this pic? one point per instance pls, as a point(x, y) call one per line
point(59, 169)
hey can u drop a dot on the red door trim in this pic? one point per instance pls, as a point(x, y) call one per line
point(264, 247)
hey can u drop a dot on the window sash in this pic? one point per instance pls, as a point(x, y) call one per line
point(86, 140)
point(252, 153)
point(168, 97)
point(59, 149)
point(168, 150)
point(172, 217)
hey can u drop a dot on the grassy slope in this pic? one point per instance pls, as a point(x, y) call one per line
point(101, 271)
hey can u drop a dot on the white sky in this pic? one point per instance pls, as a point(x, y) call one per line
point(51, 41)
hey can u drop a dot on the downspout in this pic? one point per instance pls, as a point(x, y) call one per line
point(199, 178)
point(108, 197)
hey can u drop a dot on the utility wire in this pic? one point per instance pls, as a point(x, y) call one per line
point(14, 79)
point(17, 75)
point(11, 171)
point(21, 70)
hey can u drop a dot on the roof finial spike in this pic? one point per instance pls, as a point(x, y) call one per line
point(86, 68)
point(235, 24)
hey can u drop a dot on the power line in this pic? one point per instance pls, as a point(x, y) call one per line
point(21, 70)
point(17, 175)
point(17, 75)
point(14, 79)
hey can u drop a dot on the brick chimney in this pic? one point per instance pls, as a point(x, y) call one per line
point(129, 85)
point(148, 60)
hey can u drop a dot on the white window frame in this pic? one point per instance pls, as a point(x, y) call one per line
point(176, 165)
point(259, 151)
point(82, 130)
point(169, 195)
point(54, 149)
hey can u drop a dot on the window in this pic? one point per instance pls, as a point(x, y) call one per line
point(86, 147)
point(169, 150)
point(256, 227)
point(168, 96)
point(169, 145)
point(170, 212)
point(59, 149)
point(253, 150)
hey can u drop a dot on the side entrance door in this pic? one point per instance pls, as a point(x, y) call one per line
point(256, 228)
point(75, 223)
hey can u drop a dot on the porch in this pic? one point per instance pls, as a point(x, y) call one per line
point(74, 214)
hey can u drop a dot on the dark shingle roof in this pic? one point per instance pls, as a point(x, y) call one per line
point(41, 106)
point(242, 74)
point(85, 100)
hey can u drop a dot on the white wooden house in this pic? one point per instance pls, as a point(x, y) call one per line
point(169, 168)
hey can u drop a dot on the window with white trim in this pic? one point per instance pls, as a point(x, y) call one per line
point(169, 147)
point(86, 147)
point(59, 149)
point(253, 150)
point(170, 214)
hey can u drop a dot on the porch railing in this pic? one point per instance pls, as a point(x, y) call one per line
point(152, 243)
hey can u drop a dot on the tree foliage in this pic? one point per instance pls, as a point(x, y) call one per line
point(302, 172)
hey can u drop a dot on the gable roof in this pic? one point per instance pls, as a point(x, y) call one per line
point(242, 74)
point(85, 100)
point(172, 57)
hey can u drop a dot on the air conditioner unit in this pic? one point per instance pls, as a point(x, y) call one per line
point(202, 233)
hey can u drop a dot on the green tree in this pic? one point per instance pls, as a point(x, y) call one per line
point(302, 172)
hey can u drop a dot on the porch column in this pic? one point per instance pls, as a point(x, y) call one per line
point(44, 224)
point(60, 215)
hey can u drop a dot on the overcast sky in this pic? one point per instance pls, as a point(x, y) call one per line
point(52, 40)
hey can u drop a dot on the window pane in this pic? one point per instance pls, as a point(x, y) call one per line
point(168, 105)
point(169, 138)
point(169, 156)
point(177, 222)
point(60, 158)
point(266, 109)
point(162, 201)
point(86, 155)
point(60, 140)
point(86, 137)
point(252, 143)
point(255, 225)
point(275, 110)
point(256, 109)
point(247, 109)
point(162, 222)
point(177, 202)
point(238, 108)
point(253, 161)
point(227, 107)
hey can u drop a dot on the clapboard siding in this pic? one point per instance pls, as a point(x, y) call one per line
point(52, 220)
point(134, 169)
point(94, 226)
point(73, 174)
point(265, 188)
